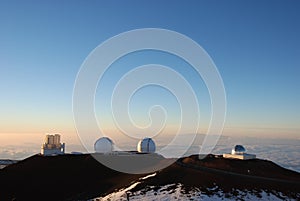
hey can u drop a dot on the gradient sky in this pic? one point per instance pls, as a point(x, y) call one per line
point(254, 44)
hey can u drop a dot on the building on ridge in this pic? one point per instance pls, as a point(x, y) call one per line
point(239, 152)
point(146, 145)
point(52, 145)
point(104, 145)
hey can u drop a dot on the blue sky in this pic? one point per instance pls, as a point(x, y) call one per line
point(254, 44)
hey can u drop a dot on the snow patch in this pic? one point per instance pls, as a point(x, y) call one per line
point(172, 192)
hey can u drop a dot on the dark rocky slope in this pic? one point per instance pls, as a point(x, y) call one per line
point(80, 177)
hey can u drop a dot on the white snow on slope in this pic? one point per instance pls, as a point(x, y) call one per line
point(177, 192)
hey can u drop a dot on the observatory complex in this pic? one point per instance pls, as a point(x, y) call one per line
point(52, 145)
point(239, 152)
point(105, 145)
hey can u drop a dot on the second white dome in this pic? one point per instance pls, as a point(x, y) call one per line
point(146, 145)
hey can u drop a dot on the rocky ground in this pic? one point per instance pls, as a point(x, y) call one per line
point(81, 177)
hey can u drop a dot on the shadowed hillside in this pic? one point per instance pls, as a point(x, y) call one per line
point(74, 177)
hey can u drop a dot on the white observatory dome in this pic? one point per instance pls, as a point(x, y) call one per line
point(104, 145)
point(238, 149)
point(146, 145)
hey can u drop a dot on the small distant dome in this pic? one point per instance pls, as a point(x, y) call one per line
point(104, 145)
point(146, 145)
point(238, 149)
